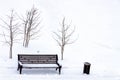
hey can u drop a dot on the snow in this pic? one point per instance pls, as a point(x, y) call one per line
point(97, 23)
point(40, 65)
point(104, 66)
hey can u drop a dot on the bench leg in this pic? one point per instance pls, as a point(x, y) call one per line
point(56, 68)
point(60, 69)
point(21, 69)
point(18, 67)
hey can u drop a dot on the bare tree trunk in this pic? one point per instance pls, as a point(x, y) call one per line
point(27, 41)
point(24, 40)
point(25, 30)
point(11, 43)
point(11, 36)
point(11, 46)
point(10, 54)
point(62, 51)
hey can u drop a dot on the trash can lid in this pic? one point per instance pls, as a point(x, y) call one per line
point(87, 63)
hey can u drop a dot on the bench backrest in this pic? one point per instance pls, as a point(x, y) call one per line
point(37, 59)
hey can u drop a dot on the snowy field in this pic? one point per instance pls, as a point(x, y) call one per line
point(104, 66)
point(97, 24)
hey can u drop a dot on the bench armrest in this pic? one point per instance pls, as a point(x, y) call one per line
point(20, 63)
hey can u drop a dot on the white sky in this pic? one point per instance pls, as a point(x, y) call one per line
point(96, 20)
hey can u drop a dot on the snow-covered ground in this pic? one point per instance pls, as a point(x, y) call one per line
point(97, 24)
point(104, 65)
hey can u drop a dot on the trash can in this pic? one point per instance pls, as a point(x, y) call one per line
point(86, 69)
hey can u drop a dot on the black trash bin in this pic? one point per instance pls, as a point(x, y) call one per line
point(86, 69)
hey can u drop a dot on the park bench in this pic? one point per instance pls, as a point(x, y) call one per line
point(38, 61)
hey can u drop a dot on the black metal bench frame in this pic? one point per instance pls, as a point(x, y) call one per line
point(38, 59)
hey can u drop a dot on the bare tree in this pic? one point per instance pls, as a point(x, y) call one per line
point(63, 36)
point(10, 32)
point(31, 25)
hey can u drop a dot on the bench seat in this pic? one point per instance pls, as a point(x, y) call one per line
point(40, 65)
